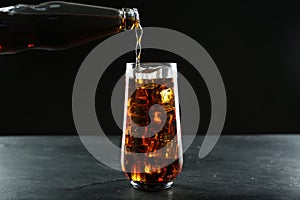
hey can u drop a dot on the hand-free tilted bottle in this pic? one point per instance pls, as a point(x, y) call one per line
point(59, 25)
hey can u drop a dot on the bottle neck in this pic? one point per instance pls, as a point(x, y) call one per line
point(130, 18)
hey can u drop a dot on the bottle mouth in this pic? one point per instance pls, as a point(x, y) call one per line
point(132, 18)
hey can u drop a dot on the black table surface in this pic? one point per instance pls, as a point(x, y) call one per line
point(239, 167)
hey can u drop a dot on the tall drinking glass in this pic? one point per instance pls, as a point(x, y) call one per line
point(151, 143)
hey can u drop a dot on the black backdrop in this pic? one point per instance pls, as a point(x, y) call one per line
point(255, 45)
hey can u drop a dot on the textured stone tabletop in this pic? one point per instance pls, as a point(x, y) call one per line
point(239, 167)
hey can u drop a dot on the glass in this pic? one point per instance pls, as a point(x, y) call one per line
point(151, 144)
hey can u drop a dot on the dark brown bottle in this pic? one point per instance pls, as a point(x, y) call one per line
point(59, 25)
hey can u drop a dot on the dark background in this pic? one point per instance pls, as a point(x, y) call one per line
point(255, 45)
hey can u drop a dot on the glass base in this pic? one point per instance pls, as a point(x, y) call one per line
point(151, 187)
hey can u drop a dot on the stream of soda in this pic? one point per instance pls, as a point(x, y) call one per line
point(138, 47)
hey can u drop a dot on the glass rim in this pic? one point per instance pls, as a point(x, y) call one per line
point(131, 65)
point(153, 63)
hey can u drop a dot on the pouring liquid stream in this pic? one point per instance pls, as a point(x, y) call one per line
point(138, 47)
